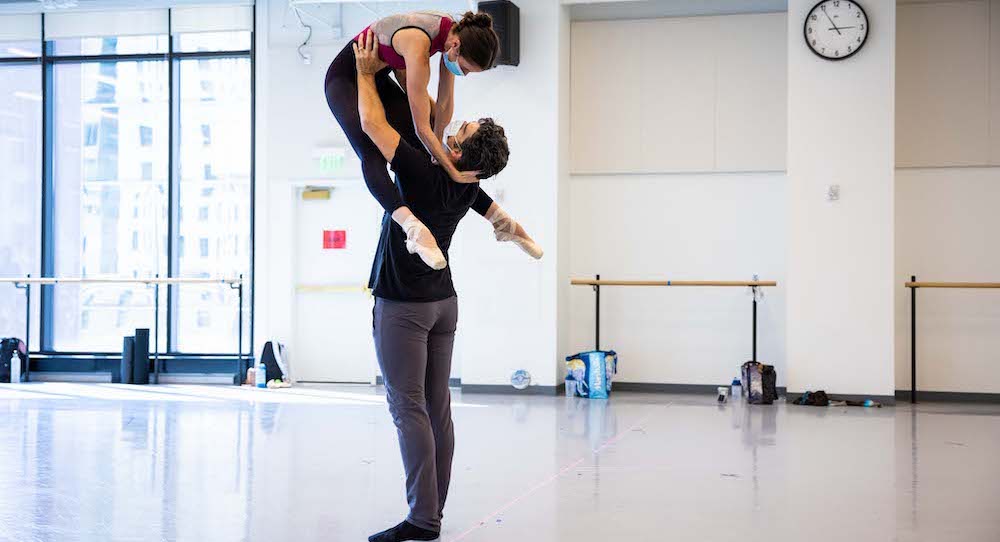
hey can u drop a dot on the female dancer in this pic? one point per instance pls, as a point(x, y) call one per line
point(406, 42)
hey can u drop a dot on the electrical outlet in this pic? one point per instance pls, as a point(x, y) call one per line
point(833, 192)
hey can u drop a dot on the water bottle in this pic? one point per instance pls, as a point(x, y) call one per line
point(15, 368)
point(521, 379)
point(261, 378)
point(737, 389)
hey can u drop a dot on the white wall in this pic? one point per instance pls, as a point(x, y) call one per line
point(948, 71)
point(694, 94)
point(946, 225)
point(948, 94)
point(710, 226)
point(841, 279)
point(716, 105)
point(507, 301)
point(293, 122)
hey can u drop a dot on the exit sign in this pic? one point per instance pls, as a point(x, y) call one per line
point(329, 160)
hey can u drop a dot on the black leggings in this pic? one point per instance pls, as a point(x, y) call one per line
point(342, 97)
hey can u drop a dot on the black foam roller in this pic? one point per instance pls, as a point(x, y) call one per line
point(128, 347)
point(140, 358)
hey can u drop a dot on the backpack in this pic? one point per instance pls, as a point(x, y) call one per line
point(7, 349)
point(275, 360)
point(760, 382)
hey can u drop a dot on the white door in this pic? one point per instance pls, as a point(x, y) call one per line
point(333, 312)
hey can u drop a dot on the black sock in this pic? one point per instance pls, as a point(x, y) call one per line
point(402, 532)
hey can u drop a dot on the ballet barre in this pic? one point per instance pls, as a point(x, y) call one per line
point(25, 283)
point(597, 282)
point(914, 285)
point(330, 288)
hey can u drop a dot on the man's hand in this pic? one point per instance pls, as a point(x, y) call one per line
point(366, 54)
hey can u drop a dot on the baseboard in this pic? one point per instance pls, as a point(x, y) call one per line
point(452, 382)
point(885, 400)
point(500, 389)
point(650, 387)
point(903, 396)
point(64, 376)
point(196, 378)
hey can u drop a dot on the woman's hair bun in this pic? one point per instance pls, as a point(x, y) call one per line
point(481, 20)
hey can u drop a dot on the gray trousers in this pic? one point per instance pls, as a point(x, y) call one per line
point(414, 342)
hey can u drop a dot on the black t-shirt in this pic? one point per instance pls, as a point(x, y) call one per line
point(440, 204)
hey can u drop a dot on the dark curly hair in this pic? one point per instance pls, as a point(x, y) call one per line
point(486, 151)
point(479, 42)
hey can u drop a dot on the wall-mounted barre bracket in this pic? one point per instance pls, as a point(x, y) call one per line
point(596, 283)
point(26, 286)
point(149, 281)
point(240, 369)
point(718, 283)
point(954, 285)
point(914, 285)
point(25, 283)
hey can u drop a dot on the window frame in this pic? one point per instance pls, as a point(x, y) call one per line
point(47, 60)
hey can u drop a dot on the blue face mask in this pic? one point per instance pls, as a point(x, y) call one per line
point(452, 65)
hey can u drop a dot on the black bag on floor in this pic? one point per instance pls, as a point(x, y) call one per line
point(7, 349)
point(818, 398)
point(760, 382)
point(275, 360)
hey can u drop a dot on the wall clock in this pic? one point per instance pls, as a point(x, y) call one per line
point(836, 29)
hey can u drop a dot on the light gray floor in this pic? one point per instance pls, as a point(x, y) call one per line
point(97, 462)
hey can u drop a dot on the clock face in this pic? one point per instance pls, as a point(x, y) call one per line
point(836, 29)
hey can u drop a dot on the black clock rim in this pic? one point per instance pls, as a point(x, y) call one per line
point(805, 36)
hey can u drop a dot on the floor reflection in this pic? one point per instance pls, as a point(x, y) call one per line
point(86, 462)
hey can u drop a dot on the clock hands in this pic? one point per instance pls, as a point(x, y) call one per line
point(835, 27)
point(843, 27)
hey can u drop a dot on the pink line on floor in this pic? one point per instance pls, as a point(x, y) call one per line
point(513, 502)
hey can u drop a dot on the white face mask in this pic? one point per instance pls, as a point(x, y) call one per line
point(451, 131)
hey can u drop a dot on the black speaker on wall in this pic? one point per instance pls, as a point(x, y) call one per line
point(507, 23)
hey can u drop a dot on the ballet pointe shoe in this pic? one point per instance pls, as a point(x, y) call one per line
point(421, 242)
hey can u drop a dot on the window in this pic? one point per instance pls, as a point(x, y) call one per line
point(114, 209)
point(20, 49)
point(120, 45)
point(145, 132)
point(212, 41)
point(96, 192)
point(90, 134)
point(20, 161)
point(226, 125)
point(207, 90)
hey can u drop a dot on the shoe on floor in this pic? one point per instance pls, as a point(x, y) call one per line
point(403, 532)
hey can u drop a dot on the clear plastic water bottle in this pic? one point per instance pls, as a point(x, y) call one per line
point(737, 389)
point(15, 368)
point(521, 379)
point(261, 377)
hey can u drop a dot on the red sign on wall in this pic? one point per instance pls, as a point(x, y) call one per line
point(334, 239)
